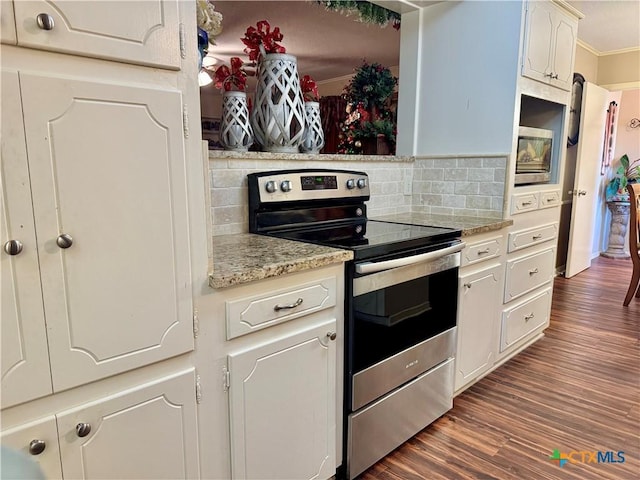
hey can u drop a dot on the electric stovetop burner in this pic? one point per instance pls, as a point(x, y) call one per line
point(327, 207)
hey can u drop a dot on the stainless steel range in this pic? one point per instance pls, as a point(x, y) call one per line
point(400, 303)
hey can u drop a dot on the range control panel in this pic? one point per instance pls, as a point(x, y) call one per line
point(299, 185)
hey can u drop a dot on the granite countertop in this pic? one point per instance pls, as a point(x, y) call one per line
point(246, 257)
point(468, 225)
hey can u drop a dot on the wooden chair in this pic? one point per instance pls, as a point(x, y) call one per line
point(634, 241)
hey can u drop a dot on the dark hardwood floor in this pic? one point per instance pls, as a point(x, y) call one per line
point(577, 389)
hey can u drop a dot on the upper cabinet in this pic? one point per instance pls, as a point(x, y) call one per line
point(140, 32)
point(97, 213)
point(549, 44)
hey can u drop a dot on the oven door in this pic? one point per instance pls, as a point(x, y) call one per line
point(402, 320)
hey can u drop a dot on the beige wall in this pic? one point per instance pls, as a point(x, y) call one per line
point(586, 64)
point(619, 69)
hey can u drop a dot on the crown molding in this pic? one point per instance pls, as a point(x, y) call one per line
point(612, 87)
point(598, 53)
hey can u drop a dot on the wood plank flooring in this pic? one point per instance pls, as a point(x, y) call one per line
point(577, 389)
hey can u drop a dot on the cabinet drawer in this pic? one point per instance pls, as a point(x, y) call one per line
point(477, 252)
point(524, 202)
point(532, 236)
point(549, 199)
point(527, 273)
point(521, 320)
point(251, 314)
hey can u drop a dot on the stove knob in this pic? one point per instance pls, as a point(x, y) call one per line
point(359, 212)
point(271, 186)
point(285, 186)
point(362, 182)
point(351, 184)
point(358, 228)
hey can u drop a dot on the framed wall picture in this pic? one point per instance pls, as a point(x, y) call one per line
point(211, 132)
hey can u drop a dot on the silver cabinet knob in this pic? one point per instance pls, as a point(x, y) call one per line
point(13, 247)
point(64, 240)
point(83, 429)
point(45, 21)
point(285, 186)
point(582, 193)
point(331, 335)
point(36, 447)
point(271, 186)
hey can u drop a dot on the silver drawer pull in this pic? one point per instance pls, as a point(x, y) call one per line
point(533, 272)
point(526, 204)
point(466, 285)
point(529, 317)
point(297, 303)
point(537, 237)
point(483, 252)
point(332, 335)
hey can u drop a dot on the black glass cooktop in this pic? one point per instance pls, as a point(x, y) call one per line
point(374, 238)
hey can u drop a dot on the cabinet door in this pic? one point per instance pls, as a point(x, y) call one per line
point(478, 317)
point(283, 409)
point(25, 358)
point(538, 49)
point(7, 23)
point(139, 31)
point(564, 49)
point(145, 433)
point(38, 436)
point(107, 168)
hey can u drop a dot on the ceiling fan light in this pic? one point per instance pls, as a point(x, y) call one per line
point(203, 78)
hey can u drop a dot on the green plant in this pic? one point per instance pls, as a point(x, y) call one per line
point(627, 172)
point(372, 85)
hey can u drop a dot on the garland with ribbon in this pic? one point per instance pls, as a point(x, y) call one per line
point(367, 12)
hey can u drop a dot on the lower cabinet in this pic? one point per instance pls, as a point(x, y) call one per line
point(282, 406)
point(147, 432)
point(478, 315)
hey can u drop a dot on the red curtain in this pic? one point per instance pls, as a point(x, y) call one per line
point(332, 113)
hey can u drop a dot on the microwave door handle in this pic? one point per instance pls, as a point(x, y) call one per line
point(372, 267)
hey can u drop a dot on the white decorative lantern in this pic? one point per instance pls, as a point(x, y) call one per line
point(278, 117)
point(235, 130)
point(313, 139)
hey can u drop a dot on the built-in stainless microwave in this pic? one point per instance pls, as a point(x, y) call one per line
point(534, 154)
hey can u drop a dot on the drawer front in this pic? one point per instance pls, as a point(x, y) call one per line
point(550, 198)
point(261, 311)
point(521, 320)
point(477, 252)
point(524, 202)
point(528, 273)
point(532, 236)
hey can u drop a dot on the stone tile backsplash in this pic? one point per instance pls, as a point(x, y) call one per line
point(455, 186)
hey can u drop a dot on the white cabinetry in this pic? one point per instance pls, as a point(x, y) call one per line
point(97, 298)
point(140, 32)
point(145, 432)
point(110, 221)
point(479, 310)
point(480, 284)
point(549, 44)
point(282, 406)
point(280, 355)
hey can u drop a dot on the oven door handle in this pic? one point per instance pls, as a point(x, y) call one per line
point(372, 267)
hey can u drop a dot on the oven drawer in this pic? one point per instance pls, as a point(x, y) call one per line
point(521, 320)
point(525, 274)
point(387, 423)
point(251, 314)
point(477, 252)
point(532, 236)
point(392, 372)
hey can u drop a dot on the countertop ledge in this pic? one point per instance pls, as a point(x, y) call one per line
point(218, 155)
point(245, 257)
point(468, 225)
